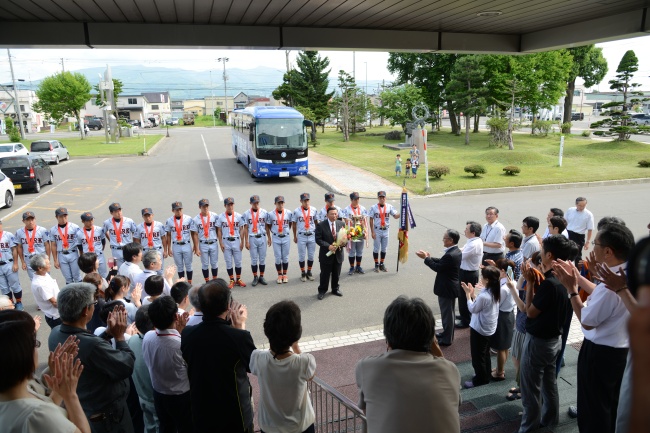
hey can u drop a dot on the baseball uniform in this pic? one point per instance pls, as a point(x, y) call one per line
point(180, 231)
point(353, 215)
point(206, 230)
point(380, 220)
point(64, 249)
point(119, 233)
point(9, 282)
point(151, 238)
point(32, 242)
point(305, 227)
point(254, 221)
point(278, 225)
point(91, 242)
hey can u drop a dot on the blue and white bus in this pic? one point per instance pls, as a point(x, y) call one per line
point(270, 141)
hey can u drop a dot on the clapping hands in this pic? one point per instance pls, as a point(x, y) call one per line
point(116, 323)
point(238, 315)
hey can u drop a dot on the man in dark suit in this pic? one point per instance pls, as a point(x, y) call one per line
point(447, 282)
point(326, 232)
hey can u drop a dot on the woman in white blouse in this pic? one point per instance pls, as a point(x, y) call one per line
point(501, 340)
point(485, 313)
point(117, 290)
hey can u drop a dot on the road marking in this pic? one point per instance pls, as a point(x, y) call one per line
point(97, 163)
point(9, 215)
point(214, 175)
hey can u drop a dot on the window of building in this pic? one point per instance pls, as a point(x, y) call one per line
point(577, 92)
point(133, 101)
point(219, 103)
point(22, 108)
point(154, 107)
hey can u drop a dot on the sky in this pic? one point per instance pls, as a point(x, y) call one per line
point(34, 64)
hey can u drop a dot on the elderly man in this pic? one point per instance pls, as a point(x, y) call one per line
point(472, 254)
point(218, 353)
point(447, 282)
point(104, 383)
point(152, 262)
point(197, 317)
point(411, 387)
point(580, 222)
point(492, 236)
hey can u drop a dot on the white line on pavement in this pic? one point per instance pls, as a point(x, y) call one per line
point(99, 162)
point(15, 211)
point(214, 175)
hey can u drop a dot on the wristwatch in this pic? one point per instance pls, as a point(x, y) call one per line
point(571, 295)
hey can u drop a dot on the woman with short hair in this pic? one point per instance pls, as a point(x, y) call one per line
point(45, 289)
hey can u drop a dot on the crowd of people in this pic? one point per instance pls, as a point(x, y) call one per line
point(139, 352)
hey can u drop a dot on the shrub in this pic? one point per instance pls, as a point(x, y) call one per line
point(566, 127)
point(13, 131)
point(543, 127)
point(475, 169)
point(644, 163)
point(511, 170)
point(438, 171)
point(498, 131)
point(393, 135)
point(586, 133)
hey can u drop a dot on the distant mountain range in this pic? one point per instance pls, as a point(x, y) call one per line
point(185, 84)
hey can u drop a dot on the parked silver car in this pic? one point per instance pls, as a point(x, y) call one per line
point(50, 150)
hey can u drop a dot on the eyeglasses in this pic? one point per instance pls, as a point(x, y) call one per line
point(37, 344)
point(94, 303)
point(594, 244)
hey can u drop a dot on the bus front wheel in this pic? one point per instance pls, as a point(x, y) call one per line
point(250, 168)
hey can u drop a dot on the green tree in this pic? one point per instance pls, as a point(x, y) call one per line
point(467, 88)
point(397, 103)
point(344, 105)
point(117, 90)
point(306, 86)
point(620, 123)
point(63, 94)
point(588, 64)
point(431, 73)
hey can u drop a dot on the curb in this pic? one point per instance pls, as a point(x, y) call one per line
point(124, 155)
point(324, 184)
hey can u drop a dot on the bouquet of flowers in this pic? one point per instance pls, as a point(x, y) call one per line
point(341, 240)
point(356, 233)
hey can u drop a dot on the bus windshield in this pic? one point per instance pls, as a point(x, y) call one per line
point(280, 134)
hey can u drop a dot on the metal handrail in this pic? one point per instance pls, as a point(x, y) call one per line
point(335, 413)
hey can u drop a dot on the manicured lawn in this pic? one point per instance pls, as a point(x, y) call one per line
point(537, 157)
point(95, 145)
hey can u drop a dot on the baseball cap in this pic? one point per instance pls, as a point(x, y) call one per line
point(228, 200)
point(177, 205)
point(204, 202)
point(381, 194)
point(329, 196)
point(147, 211)
point(255, 199)
point(304, 196)
point(279, 199)
point(87, 216)
point(354, 196)
point(28, 214)
point(113, 207)
point(61, 211)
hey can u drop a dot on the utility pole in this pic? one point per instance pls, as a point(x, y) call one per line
point(225, 85)
point(365, 99)
point(287, 55)
point(354, 66)
point(214, 122)
point(19, 115)
point(62, 64)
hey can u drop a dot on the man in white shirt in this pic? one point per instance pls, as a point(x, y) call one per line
point(554, 212)
point(580, 221)
point(152, 262)
point(492, 235)
point(530, 243)
point(604, 317)
point(469, 269)
point(161, 350)
point(132, 253)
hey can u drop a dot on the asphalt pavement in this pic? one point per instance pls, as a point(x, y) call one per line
point(198, 163)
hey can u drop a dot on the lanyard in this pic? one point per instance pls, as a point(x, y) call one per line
point(382, 214)
point(179, 228)
point(118, 230)
point(231, 224)
point(206, 226)
point(90, 240)
point(30, 240)
point(306, 217)
point(149, 234)
point(255, 216)
point(280, 221)
point(64, 236)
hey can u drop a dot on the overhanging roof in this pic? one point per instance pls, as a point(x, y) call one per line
point(386, 25)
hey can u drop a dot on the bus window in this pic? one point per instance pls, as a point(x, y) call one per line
point(281, 133)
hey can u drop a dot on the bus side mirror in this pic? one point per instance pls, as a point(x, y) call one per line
point(251, 135)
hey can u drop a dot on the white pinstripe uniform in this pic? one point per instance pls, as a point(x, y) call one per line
point(256, 239)
point(65, 240)
point(92, 239)
point(230, 226)
point(349, 213)
point(37, 237)
point(381, 232)
point(9, 282)
point(281, 238)
point(151, 238)
point(306, 232)
point(208, 244)
point(125, 227)
point(181, 243)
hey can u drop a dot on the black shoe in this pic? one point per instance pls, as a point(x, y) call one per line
point(382, 268)
point(359, 270)
point(458, 317)
point(303, 277)
point(337, 293)
point(439, 335)
point(321, 296)
point(262, 281)
point(376, 268)
point(460, 325)
point(440, 343)
point(255, 281)
point(310, 277)
point(573, 411)
point(351, 271)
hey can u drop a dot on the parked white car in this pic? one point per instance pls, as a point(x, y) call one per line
point(12, 149)
point(7, 190)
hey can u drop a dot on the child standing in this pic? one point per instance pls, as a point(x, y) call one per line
point(398, 166)
point(415, 163)
point(407, 168)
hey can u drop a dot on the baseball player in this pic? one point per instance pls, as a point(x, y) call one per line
point(119, 231)
point(278, 224)
point(379, 223)
point(9, 282)
point(254, 235)
point(179, 244)
point(230, 240)
point(92, 240)
point(304, 234)
point(64, 241)
point(352, 214)
point(30, 240)
point(329, 202)
point(151, 235)
point(205, 239)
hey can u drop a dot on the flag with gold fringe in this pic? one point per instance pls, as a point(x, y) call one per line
point(406, 221)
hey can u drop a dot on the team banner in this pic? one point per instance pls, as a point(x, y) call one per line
point(406, 221)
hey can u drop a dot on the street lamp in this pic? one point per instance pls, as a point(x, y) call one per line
point(225, 86)
point(16, 102)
